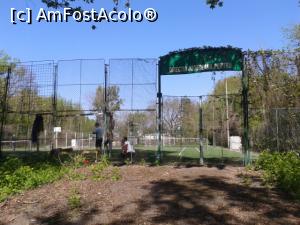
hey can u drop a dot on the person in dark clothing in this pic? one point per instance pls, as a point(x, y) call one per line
point(109, 134)
point(124, 146)
point(99, 136)
point(37, 128)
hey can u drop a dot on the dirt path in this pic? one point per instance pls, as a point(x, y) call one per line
point(155, 195)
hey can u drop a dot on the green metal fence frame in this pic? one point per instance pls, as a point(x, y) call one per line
point(245, 107)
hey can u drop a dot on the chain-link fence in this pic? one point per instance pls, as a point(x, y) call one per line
point(278, 131)
point(4, 78)
point(79, 102)
point(122, 97)
point(29, 95)
point(274, 100)
point(131, 98)
point(73, 95)
point(212, 121)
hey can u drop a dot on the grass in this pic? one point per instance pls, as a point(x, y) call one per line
point(192, 154)
point(20, 172)
point(171, 154)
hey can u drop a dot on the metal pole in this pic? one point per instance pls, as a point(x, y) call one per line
point(81, 140)
point(245, 92)
point(45, 137)
point(227, 115)
point(76, 139)
point(159, 97)
point(54, 101)
point(201, 132)
point(56, 140)
point(29, 109)
point(106, 109)
point(4, 107)
point(213, 112)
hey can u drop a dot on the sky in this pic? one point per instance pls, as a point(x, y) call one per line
point(247, 24)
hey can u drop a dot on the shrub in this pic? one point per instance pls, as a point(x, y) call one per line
point(116, 174)
point(74, 199)
point(282, 170)
point(16, 176)
point(98, 169)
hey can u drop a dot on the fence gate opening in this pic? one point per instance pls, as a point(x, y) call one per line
point(193, 111)
point(212, 117)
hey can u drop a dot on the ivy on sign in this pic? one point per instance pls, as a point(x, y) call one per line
point(197, 60)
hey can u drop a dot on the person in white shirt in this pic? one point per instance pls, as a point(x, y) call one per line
point(127, 148)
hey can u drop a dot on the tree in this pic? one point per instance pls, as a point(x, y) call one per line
point(214, 3)
point(293, 36)
point(215, 109)
point(70, 3)
point(114, 101)
point(180, 116)
point(274, 84)
point(4, 58)
point(171, 116)
point(56, 4)
point(189, 118)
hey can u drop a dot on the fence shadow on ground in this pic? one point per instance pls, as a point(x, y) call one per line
point(69, 217)
point(209, 200)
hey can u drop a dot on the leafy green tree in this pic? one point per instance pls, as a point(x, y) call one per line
point(56, 4)
point(214, 3)
point(70, 3)
point(293, 35)
point(217, 3)
point(180, 117)
point(114, 101)
point(189, 118)
point(171, 116)
point(4, 58)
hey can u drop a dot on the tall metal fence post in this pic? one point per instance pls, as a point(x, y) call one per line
point(245, 103)
point(159, 96)
point(106, 110)
point(54, 105)
point(4, 107)
point(201, 132)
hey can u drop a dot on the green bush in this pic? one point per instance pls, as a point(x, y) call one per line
point(20, 174)
point(282, 170)
point(74, 199)
point(16, 176)
point(99, 168)
point(116, 174)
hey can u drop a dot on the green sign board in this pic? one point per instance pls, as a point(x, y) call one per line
point(199, 60)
